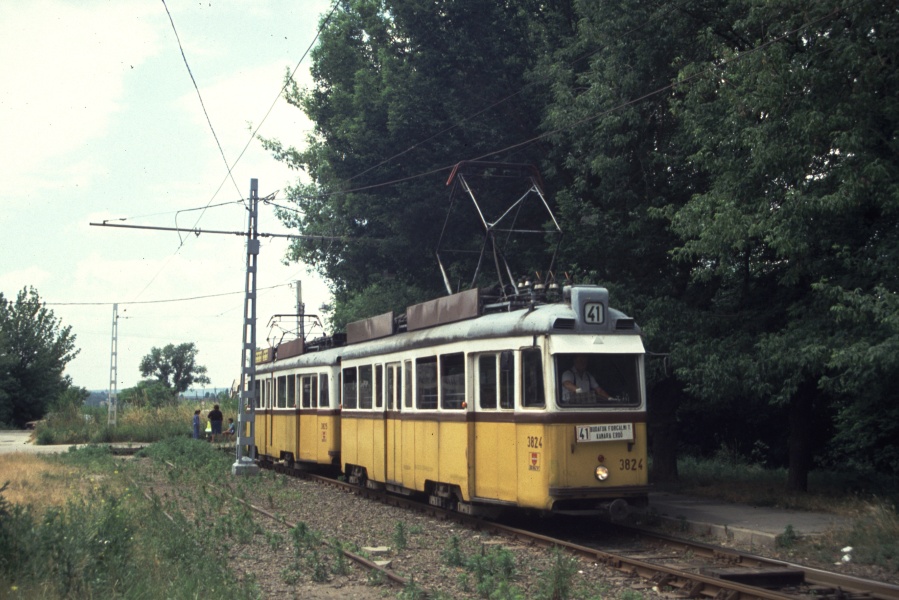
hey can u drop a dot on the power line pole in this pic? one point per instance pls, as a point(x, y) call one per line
point(245, 463)
point(113, 398)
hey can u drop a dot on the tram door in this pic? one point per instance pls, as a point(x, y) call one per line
point(393, 378)
point(494, 428)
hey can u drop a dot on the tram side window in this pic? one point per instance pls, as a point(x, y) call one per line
point(292, 391)
point(349, 388)
point(323, 400)
point(307, 392)
point(407, 389)
point(379, 392)
point(313, 385)
point(390, 387)
point(282, 391)
point(506, 380)
point(426, 382)
point(532, 395)
point(365, 386)
point(257, 393)
point(487, 381)
point(452, 380)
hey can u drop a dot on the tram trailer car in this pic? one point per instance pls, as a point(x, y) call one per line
point(297, 416)
point(467, 407)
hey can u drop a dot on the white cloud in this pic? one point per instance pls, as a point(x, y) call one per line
point(11, 282)
point(67, 78)
point(88, 138)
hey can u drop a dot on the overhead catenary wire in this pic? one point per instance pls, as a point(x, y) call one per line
point(229, 168)
point(165, 301)
point(199, 96)
point(717, 65)
point(502, 100)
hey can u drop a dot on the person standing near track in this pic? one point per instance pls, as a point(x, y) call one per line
point(215, 417)
point(196, 424)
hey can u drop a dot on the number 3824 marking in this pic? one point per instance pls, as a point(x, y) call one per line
point(630, 464)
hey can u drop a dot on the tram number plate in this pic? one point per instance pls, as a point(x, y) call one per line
point(610, 432)
point(594, 313)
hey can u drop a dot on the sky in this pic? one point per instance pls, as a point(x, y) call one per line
point(100, 120)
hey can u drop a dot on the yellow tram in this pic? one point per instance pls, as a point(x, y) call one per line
point(297, 419)
point(478, 406)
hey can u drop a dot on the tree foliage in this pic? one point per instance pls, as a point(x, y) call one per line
point(409, 80)
point(149, 394)
point(730, 170)
point(174, 366)
point(795, 234)
point(34, 351)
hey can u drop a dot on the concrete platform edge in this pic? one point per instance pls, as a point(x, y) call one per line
point(739, 535)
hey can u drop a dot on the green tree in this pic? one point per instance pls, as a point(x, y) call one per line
point(796, 234)
point(174, 366)
point(72, 398)
point(149, 394)
point(34, 351)
point(617, 162)
point(400, 88)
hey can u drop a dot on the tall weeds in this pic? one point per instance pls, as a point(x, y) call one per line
point(82, 425)
point(108, 542)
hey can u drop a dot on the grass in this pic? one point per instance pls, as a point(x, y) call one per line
point(35, 480)
point(830, 490)
point(103, 539)
point(47, 484)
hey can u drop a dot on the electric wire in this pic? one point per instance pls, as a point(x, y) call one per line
point(200, 96)
point(673, 85)
point(174, 212)
point(284, 87)
point(221, 151)
point(507, 98)
point(168, 300)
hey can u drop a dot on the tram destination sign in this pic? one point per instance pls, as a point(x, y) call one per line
point(609, 432)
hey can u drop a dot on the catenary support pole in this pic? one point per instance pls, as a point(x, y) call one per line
point(113, 399)
point(246, 406)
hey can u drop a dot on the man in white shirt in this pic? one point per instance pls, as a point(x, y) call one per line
point(577, 380)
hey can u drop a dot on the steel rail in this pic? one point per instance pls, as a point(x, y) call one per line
point(390, 575)
point(866, 587)
point(357, 558)
point(692, 585)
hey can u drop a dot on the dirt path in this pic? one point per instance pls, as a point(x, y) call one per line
point(14, 440)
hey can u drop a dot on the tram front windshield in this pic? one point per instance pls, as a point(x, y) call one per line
point(597, 380)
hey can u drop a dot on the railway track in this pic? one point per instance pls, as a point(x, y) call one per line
point(671, 566)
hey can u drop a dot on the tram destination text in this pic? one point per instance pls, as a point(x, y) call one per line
point(610, 432)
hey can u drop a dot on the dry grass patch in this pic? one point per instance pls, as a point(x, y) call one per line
point(42, 483)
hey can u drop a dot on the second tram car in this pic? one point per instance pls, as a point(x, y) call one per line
point(466, 404)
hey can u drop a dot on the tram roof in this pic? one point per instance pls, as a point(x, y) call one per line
point(559, 319)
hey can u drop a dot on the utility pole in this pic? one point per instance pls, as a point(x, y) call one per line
point(113, 398)
point(245, 463)
point(246, 416)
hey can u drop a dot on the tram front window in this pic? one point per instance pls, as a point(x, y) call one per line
point(597, 380)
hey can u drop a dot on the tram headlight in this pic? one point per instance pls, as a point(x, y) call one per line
point(601, 473)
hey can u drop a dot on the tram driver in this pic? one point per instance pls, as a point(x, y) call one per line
point(578, 382)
